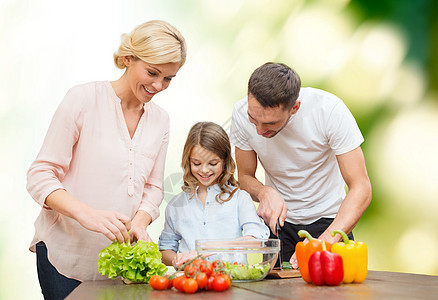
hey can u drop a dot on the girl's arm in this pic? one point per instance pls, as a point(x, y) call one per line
point(168, 256)
point(171, 258)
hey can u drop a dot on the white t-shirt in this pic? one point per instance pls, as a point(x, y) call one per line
point(300, 161)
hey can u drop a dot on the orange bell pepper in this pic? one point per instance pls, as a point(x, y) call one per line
point(355, 258)
point(303, 252)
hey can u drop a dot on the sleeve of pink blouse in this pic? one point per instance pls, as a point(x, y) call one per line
point(153, 191)
point(53, 160)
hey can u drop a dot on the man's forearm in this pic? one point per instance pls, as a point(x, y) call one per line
point(350, 212)
point(252, 185)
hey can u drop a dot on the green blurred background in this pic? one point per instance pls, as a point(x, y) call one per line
point(378, 56)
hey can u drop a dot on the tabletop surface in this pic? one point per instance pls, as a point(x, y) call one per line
point(378, 285)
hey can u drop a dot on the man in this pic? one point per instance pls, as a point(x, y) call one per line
point(308, 143)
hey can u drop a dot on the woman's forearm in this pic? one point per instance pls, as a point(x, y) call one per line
point(64, 203)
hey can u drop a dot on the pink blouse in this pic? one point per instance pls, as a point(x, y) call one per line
point(88, 152)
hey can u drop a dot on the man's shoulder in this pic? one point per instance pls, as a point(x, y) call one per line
point(239, 106)
point(315, 94)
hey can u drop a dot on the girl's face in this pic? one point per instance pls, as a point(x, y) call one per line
point(145, 80)
point(205, 166)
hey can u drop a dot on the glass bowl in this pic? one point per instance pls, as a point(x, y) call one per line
point(245, 259)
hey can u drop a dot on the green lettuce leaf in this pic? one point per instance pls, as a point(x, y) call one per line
point(136, 263)
point(247, 272)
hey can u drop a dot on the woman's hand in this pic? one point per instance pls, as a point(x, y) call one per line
point(139, 226)
point(183, 257)
point(138, 233)
point(113, 225)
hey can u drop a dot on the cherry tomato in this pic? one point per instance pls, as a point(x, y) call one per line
point(197, 262)
point(190, 286)
point(218, 265)
point(159, 282)
point(221, 282)
point(210, 283)
point(206, 267)
point(202, 280)
point(178, 283)
point(170, 284)
point(190, 270)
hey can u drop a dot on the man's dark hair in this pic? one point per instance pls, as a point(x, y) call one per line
point(275, 85)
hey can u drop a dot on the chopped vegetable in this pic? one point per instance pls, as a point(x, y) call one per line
point(136, 263)
point(244, 272)
point(286, 265)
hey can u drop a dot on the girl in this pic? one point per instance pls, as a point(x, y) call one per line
point(100, 170)
point(211, 204)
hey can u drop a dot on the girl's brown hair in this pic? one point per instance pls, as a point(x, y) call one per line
point(213, 138)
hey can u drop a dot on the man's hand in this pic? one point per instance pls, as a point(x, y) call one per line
point(293, 261)
point(271, 208)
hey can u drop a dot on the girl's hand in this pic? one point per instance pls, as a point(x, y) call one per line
point(183, 257)
point(138, 233)
point(246, 237)
point(113, 225)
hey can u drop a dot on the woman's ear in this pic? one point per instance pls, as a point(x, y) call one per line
point(127, 60)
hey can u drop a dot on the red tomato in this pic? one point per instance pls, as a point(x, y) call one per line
point(190, 286)
point(178, 283)
point(170, 284)
point(221, 283)
point(202, 280)
point(197, 262)
point(210, 283)
point(159, 282)
point(218, 265)
point(206, 267)
point(190, 270)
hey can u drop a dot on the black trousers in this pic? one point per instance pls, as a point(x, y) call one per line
point(289, 235)
point(54, 285)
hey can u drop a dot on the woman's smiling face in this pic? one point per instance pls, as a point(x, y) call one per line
point(145, 80)
point(206, 166)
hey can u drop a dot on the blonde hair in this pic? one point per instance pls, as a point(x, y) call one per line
point(213, 138)
point(155, 42)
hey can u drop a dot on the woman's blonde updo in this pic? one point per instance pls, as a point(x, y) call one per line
point(155, 42)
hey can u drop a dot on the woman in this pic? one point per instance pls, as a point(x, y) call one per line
point(100, 171)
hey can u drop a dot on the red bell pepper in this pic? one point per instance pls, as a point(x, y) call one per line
point(304, 251)
point(326, 267)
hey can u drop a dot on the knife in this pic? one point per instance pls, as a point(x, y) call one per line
point(280, 258)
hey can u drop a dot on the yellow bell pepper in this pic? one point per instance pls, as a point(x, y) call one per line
point(354, 256)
